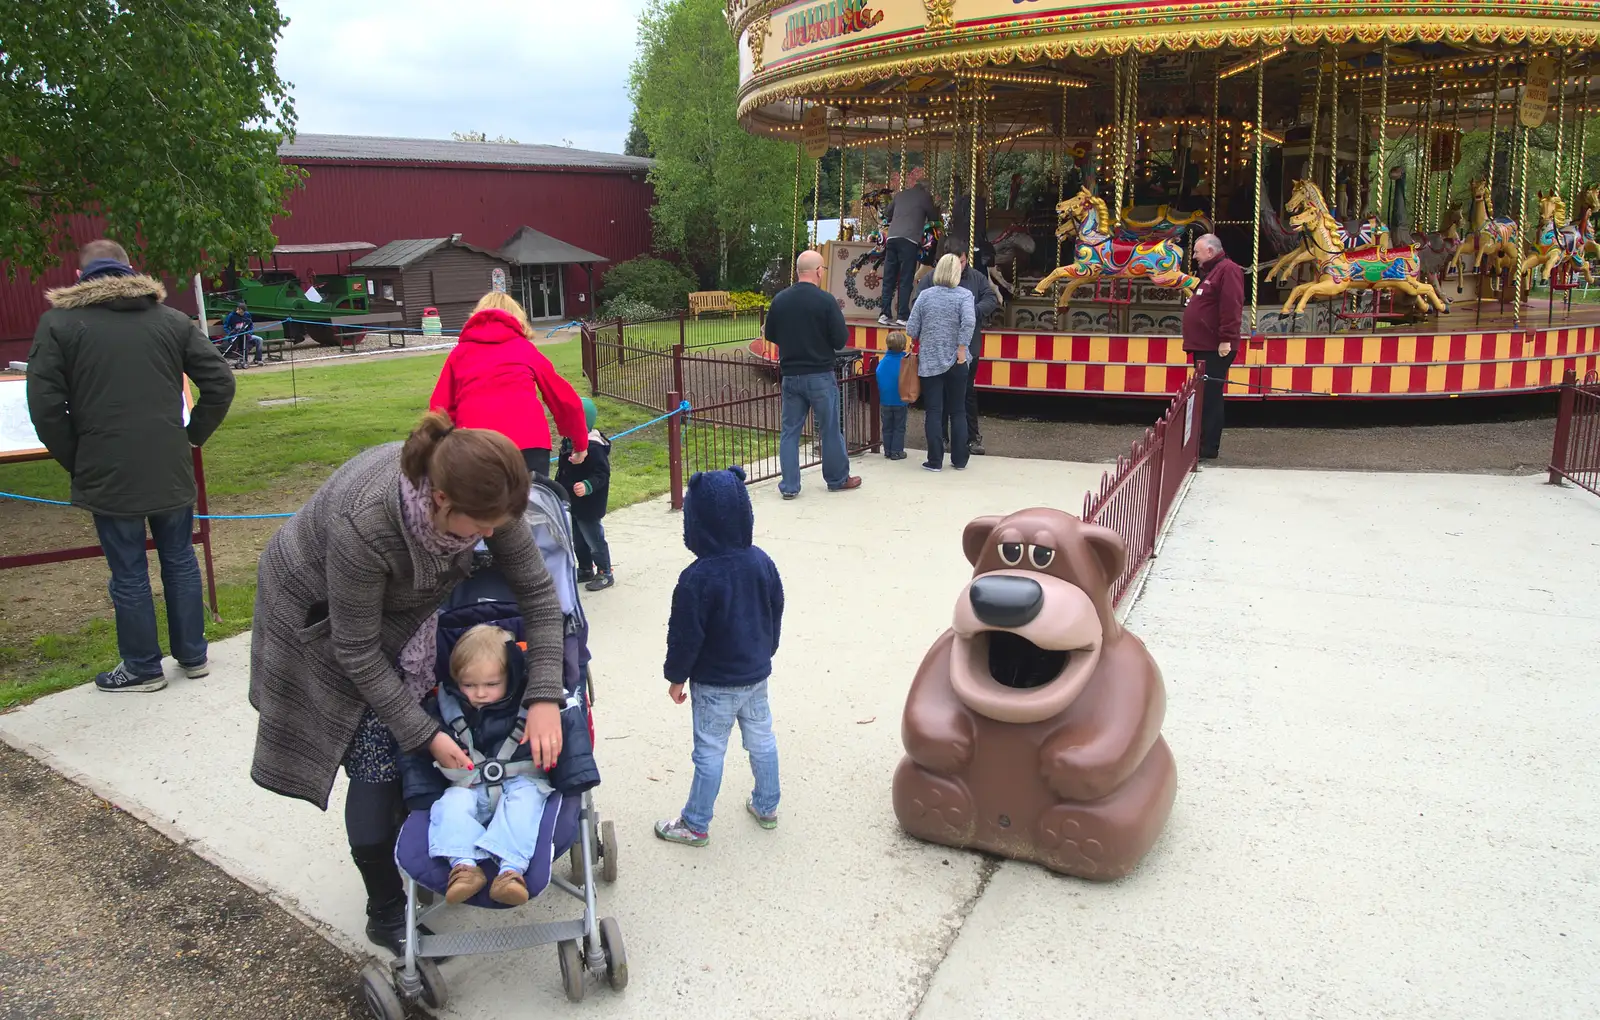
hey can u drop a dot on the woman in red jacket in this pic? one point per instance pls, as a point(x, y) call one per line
point(495, 377)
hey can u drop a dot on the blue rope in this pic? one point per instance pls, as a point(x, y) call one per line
point(198, 517)
point(682, 408)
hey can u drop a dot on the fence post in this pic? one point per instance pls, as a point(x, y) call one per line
point(622, 348)
point(202, 504)
point(683, 327)
point(677, 375)
point(761, 321)
point(675, 451)
point(1558, 451)
point(1158, 457)
point(590, 371)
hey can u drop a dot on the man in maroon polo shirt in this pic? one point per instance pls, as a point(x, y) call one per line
point(1211, 324)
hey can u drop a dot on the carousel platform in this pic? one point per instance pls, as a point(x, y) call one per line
point(1458, 354)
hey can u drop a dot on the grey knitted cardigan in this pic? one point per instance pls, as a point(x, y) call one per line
point(942, 320)
point(341, 588)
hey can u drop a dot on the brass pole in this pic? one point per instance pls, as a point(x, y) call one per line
point(1316, 122)
point(794, 222)
point(1382, 174)
point(972, 182)
point(1260, 128)
point(1333, 136)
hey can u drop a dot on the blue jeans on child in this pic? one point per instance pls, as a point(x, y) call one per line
point(462, 828)
point(715, 711)
point(122, 540)
point(589, 542)
point(894, 428)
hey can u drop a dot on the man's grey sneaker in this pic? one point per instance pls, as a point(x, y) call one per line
point(675, 831)
point(601, 582)
point(585, 575)
point(930, 466)
point(197, 672)
point(765, 821)
point(884, 320)
point(122, 679)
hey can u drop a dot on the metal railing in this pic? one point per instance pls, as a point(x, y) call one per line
point(1575, 456)
point(1136, 496)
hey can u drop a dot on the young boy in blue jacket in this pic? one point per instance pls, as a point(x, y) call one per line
point(726, 614)
point(891, 406)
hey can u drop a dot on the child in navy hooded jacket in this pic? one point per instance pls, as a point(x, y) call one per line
point(726, 615)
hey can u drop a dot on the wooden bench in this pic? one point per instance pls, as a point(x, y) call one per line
point(710, 301)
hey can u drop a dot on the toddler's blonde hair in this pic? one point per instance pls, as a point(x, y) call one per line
point(896, 342)
point(485, 641)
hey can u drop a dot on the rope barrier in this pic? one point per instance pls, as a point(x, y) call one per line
point(683, 408)
point(1226, 382)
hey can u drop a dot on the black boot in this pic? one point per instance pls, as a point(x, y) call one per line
point(386, 897)
point(975, 445)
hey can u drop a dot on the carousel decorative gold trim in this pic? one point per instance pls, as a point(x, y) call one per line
point(909, 57)
point(941, 14)
point(757, 41)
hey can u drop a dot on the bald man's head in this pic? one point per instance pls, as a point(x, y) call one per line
point(808, 267)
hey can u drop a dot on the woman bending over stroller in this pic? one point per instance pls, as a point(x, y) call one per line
point(480, 702)
point(348, 590)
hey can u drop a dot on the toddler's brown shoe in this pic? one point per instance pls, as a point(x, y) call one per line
point(465, 881)
point(509, 888)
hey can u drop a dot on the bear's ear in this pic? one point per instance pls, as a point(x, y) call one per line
point(1108, 548)
point(976, 535)
point(694, 479)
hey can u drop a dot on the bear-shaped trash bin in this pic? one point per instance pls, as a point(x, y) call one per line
point(1033, 727)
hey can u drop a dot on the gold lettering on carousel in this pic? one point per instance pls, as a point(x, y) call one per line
point(824, 21)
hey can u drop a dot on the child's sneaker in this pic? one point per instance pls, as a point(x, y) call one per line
point(675, 831)
point(121, 678)
point(765, 821)
point(586, 574)
point(199, 671)
point(509, 888)
point(465, 881)
point(601, 581)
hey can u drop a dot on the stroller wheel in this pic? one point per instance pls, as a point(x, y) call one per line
point(434, 991)
point(571, 958)
point(608, 851)
point(377, 991)
point(616, 954)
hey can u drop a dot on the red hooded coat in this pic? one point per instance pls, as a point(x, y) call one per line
point(494, 379)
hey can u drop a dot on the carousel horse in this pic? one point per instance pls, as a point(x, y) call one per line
point(1340, 271)
point(1010, 245)
point(1439, 248)
point(1558, 242)
point(1098, 255)
point(1356, 235)
point(1139, 224)
point(1489, 238)
point(1589, 201)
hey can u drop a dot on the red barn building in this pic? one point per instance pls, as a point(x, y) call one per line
point(380, 190)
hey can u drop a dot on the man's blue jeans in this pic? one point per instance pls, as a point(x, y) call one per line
point(814, 392)
point(462, 828)
point(899, 275)
point(122, 538)
point(715, 711)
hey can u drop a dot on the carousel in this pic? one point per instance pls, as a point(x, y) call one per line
point(1404, 181)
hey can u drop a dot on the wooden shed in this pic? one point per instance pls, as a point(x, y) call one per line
point(442, 272)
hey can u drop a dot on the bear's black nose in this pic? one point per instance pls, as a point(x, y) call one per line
point(1006, 601)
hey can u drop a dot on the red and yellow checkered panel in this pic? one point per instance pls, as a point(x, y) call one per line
point(1415, 364)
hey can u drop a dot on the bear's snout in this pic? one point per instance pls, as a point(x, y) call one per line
point(1006, 601)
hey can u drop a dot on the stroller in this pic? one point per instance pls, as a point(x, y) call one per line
point(585, 946)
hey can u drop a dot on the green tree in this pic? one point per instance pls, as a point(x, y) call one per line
point(163, 118)
point(722, 194)
point(479, 136)
point(638, 144)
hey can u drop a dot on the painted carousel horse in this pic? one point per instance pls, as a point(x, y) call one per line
point(1558, 242)
point(1340, 271)
point(1141, 224)
point(1010, 246)
point(1098, 255)
point(1588, 202)
point(1490, 238)
point(1356, 235)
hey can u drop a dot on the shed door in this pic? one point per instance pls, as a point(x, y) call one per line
point(540, 290)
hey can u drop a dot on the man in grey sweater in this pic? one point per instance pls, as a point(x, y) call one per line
point(907, 216)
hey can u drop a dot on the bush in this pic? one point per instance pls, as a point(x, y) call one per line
point(626, 308)
point(654, 282)
point(749, 301)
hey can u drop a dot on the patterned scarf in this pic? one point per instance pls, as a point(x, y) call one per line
point(416, 660)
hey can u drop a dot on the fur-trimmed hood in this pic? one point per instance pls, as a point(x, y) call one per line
point(102, 289)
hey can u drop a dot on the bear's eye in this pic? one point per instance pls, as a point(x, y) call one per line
point(1041, 555)
point(1011, 553)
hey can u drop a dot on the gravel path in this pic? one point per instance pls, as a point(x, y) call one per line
point(105, 918)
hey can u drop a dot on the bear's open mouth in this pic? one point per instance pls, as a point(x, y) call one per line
point(1016, 662)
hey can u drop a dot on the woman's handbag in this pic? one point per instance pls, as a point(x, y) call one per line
point(910, 382)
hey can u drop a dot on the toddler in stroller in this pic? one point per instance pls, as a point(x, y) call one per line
point(567, 822)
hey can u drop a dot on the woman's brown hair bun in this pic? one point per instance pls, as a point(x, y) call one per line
point(481, 472)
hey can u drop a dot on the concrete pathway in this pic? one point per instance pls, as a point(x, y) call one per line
point(1380, 702)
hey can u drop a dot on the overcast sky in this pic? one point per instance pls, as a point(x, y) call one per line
point(545, 71)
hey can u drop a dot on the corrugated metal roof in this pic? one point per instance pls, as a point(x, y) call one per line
point(341, 148)
point(530, 247)
point(397, 254)
point(323, 249)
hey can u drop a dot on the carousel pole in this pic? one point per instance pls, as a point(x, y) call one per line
point(972, 181)
point(1316, 121)
point(1583, 139)
point(1260, 128)
point(1424, 199)
point(1561, 124)
point(1363, 190)
point(794, 221)
point(1494, 124)
point(1215, 169)
point(843, 166)
point(905, 131)
point(1522, 217)
point(816, 197)
point(1381, 175)
point(1333, 136)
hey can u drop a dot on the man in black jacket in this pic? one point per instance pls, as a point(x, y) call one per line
point(809, 330)
point(106, 395)
point(986, 299)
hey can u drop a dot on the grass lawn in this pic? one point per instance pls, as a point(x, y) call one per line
point(710, 331)
point(268, 457)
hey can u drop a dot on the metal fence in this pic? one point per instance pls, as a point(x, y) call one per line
point(1575, 456)
point(736, 402)
point(1135, 497)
